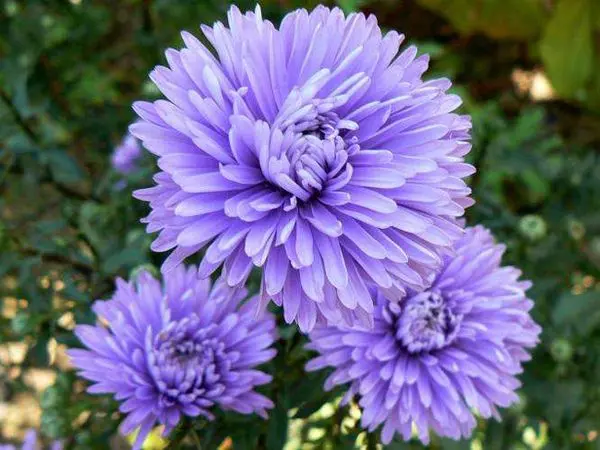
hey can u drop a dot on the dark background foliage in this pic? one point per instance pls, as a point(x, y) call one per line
point(529, 72)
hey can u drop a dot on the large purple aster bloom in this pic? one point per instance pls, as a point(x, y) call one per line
point(438, 354)
point(315, 151)
point(126, 155)
point(177, 350)
point(31, 443)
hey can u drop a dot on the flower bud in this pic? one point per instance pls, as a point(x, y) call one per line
point(561, 350)
point(533, 227)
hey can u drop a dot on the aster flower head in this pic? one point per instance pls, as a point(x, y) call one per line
point(177, 350)
point(31, 443)
point(436, 356)
point(126, 155)
point(314, 150)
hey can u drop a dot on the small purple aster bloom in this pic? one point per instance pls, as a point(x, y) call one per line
point(31, 443)
point(440, 353)
point(126, 155)
point(315, 151)
point(177, 350)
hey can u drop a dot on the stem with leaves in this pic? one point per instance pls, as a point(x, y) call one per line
point(196, 439)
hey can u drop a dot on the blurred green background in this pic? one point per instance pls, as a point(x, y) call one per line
point(529, 74)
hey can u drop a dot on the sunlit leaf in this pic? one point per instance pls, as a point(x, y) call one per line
point(500, 19)
point(567, 47)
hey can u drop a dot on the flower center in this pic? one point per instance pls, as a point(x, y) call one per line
point(426, 322)
point(316, 158)
point(187, 363)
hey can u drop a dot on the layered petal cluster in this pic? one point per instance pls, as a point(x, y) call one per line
point(314, 150)
point(177, 350)
point(126, 155)
point(437, 356)
point(31, 443)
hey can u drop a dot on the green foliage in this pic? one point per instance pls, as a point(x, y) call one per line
point(568, 55)
point(533, 182)
point(521, 19)
point(69, 72)
point(350, 5)
point(563, 33)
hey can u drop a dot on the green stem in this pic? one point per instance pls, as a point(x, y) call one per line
point(371, 441)
point(196, 439)
point(17, 116)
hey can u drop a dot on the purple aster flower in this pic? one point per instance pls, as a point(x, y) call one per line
point(31, 443)
point(126, 155)
point(315, 151)
point(177, 350)
point(438, 354)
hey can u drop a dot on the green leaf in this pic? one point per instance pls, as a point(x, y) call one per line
point(582, 311)
point(20, 95)
point(309, 408)
point(567, 47)
point(432, 48)
point(538, 186)
point(277, 429)
point(63, 167)
point(38, 354)
point(594, 92)
point(496, 18)
point(499, 435)
point(308, 390)
point(126, 258)
point(560, 400)
point(246, 440)
point(71, 292)
point(349, 5)
point(91, 216)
